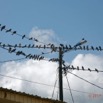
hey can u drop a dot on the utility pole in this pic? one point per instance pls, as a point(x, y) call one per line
point(60, 74)
point(61, 52)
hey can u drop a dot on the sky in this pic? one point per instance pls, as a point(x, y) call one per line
point(53, 21)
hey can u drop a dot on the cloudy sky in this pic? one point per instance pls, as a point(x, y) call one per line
point(54, 22)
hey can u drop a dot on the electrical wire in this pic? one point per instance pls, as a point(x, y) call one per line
point(55, 85)
point(70, 89)
point(23, 36)
point(71, 67)
point(85, 80)
point(34, 57)
point(41, 83)
point(12, 60)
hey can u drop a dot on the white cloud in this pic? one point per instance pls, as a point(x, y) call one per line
point(37, 71)
point(45, 72)
point(88, 61)
point(44, 35)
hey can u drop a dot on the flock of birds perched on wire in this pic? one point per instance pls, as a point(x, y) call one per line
point(65, 48)
point(71, 67)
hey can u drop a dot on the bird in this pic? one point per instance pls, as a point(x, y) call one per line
point(87, 47)
point(29, 46)
point(84, 47)
point(30, 38)
point(92, 47)
point(23, 36)
point(3, 27)
point(66, 47)
point(80, 47)
point(82, 68)
point(36, 40)
point(13, 50)
point(89, 69)
point(43, 53)
point(9, 30)
point(15, 46)
point(97, 48)
point(20, 45)
point(14, 32)
point(9, 50)
point(44, 46)
point(72, 67)
point(96, 70)
point(3, 45)
point(33, 46)
point(100, 48)
point(61, 45)
point(77, 67)
point(70, 47)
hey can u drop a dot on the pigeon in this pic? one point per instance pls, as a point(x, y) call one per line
point(14, 32)
point(92, 47)
point(3, 27)
point(77, 68)
point(9, 30)
point(89, 69)
point(82, 68)
point(13, 50)
point(100, 48)
point(96, 70)
point(30, 38)
point(23, 36)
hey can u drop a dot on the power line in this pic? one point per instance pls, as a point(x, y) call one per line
point(18, 53)
point(70, 89)
point(12, 60)
point(55, 85)
point(15, 33)
point(41, 83)
point(71, 67)
point(85, 80)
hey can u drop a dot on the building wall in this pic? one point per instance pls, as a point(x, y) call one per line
point(9, 96)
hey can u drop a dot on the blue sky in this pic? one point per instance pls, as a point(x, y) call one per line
point(70, 20)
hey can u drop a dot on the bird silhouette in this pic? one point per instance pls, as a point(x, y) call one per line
point(23, 36)
point(66, 47)
point(80, 47)
point(9, 50)
point(33, 46)
point(31, 38)
point(3, 27)
point(87, 47)
point(77, 67)
point(70, 47)
point(89, 69)
point(29, 46)
point(9, 30)
point(84, 47)
point(97, 48)
point(72, 67)
point(15, 45)
point(82, 68)
point(100, 48)
point(13, 50)
point(14, 32)
point(36, 40)
point(92, 47)
point(96, 70)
